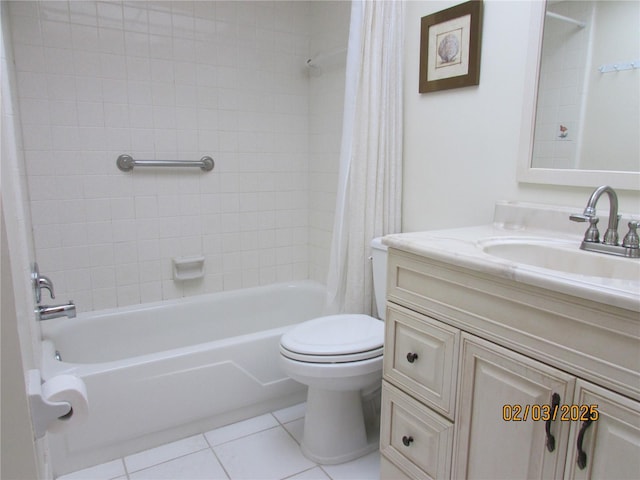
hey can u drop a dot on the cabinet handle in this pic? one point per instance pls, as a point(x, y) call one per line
point(412, 357)
point(406, 441)
point(582, 455)
point(551, 441)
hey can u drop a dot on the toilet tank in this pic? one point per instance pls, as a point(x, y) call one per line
point(379, 260)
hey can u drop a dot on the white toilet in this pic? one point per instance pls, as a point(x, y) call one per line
point(338, 356)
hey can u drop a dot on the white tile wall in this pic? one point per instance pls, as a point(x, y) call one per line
point(177, 80)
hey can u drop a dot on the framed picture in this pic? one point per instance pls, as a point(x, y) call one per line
point(450, 42)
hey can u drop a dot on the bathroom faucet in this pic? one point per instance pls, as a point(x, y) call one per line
point(40, 282)
point(591, 242)
point(47, 312)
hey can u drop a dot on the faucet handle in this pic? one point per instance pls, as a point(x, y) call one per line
point(40, 282)
point(631, 239)
point(579, 217)
point(592, 235)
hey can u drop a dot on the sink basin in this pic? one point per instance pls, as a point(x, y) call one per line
point(564, 257)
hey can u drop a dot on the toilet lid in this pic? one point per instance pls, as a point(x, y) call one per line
point(335, 338)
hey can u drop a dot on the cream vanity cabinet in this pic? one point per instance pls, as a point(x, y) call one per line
point(468, 354)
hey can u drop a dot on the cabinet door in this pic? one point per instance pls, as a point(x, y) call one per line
point(494, 441)
point(608, 447)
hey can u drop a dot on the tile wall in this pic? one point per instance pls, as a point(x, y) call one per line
point(175, 80)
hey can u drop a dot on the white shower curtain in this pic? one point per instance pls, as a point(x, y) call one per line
point(368, 200)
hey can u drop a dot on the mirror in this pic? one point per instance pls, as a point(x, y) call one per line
point(582, 121)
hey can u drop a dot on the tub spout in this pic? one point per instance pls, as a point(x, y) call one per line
point(47, 312)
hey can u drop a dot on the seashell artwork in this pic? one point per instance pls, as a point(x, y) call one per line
point(449, 48)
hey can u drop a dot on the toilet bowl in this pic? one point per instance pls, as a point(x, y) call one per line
point(337, 357)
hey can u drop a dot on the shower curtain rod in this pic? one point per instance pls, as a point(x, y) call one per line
point(566, 19)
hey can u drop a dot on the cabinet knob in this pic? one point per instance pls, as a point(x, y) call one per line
point(412, 357)
point(406, 441)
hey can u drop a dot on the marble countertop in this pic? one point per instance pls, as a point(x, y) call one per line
point(463, 247)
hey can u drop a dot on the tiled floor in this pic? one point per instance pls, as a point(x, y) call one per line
point(265, 447)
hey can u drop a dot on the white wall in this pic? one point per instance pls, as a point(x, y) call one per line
point(165, 80)
point(461, 146)
point(22, 457)
point(18, 453)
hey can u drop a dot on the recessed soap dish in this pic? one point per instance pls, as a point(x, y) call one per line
point(188, 268)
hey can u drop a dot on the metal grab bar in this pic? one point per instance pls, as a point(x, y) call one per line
point(127, 162)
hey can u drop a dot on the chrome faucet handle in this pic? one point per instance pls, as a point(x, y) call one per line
point(39, 282)
point(592, 235)
point(631, 239)
point(580, 217)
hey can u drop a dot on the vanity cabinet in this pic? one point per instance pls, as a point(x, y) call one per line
point(468, 355)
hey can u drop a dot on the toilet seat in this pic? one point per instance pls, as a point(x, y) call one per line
point(334, 339)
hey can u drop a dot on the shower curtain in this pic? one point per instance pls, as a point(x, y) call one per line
point(368, 202)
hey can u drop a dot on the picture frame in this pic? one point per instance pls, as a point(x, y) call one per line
point(450, 44)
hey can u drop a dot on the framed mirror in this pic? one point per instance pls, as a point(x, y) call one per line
point(581, 115)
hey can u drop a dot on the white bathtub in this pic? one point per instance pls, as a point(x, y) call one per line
point(159, 372)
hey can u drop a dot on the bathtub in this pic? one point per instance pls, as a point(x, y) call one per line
point(163, 371)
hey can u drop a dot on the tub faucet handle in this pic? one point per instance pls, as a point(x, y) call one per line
point(40, 282)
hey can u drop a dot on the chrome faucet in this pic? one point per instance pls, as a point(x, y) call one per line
point(39, 282)
point(47, 312)
point(609, 244)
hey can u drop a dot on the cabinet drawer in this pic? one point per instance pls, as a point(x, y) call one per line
point(421, 357)
point(414, 438)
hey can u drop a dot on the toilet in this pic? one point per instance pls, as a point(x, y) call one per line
point(337, 357)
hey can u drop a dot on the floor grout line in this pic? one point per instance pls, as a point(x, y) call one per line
point(164, 461)
point(226, 472)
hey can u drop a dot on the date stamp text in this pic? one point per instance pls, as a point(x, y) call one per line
point(543, 413)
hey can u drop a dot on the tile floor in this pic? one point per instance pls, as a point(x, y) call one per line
point(264, 447)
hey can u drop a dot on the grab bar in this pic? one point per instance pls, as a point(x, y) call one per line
point(127, 162)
